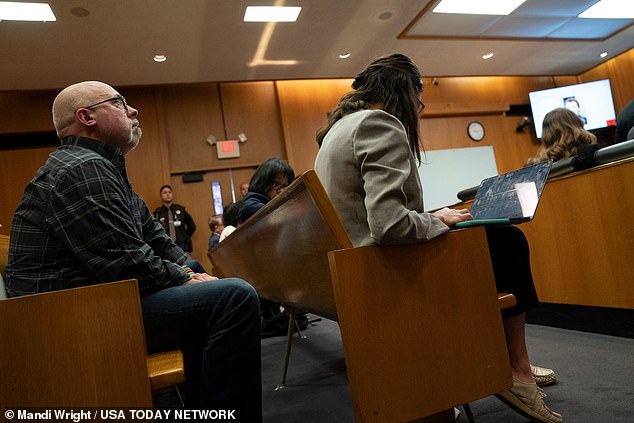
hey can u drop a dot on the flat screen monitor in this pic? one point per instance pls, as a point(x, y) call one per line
point(592, 101)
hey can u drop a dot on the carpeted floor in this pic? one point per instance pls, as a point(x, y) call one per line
point(596, 378)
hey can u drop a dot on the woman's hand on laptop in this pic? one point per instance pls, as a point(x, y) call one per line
point(452, 216)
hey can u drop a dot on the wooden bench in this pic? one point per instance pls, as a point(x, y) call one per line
point(4, 257)
point(81, 347)
point(420, 323)
point(34, 319)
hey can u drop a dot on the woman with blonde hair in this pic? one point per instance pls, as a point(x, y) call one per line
point(563, 136)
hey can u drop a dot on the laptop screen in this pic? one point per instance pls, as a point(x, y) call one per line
point(513, 195)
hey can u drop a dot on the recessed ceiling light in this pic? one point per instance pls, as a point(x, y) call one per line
point(487, 56)
point(13, 11)
point(160, 58)
point(271, 13)
point(610, 9)
point(478, 7)
point(604, 54)
point(344, 55)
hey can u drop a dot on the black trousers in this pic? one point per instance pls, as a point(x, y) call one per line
point(510, 257)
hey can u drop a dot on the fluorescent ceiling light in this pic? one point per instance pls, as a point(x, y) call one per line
point(14, 11)
point(271, 14)
point(610, 9)
point(478, 7)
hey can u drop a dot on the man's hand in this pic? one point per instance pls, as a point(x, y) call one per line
point(200, 277)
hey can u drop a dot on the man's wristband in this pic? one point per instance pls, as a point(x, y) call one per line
point(188, 270)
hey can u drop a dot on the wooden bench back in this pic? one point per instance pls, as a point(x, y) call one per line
point(4, 253)
point(82, 347)
point(4, 258)
point(165, 369)
point(282, 250)
point(420, 325)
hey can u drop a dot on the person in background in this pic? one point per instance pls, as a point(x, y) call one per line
point(269, 179)
point(216, 225)
point(573, 105)
point(230, 216)
point(244, 188)
point(80, 222)
point(178, 224)
point(563, 136)
point(625, 123)
point(367, 162)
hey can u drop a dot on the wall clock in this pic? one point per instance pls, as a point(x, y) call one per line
point(475, 130)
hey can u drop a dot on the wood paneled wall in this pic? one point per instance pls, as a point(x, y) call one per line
point(26, 111)
point(581, 249)
point(252, 108)
point(191, 114)
point(304, 105)
point(620, 72)
point(450, 106)
point(17, 167)
point(147, 164)
point(280, 118)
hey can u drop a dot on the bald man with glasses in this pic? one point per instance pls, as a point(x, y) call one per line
point(80, 222)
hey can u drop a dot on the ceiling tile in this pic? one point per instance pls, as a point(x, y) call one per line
point(590, 28)
point(564, 8)
point(445, 24)
point(526, 27)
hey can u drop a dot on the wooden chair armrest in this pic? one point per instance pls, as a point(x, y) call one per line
point(506, 301)
point(166, 369)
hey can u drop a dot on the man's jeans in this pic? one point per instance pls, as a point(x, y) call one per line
point(217, 325)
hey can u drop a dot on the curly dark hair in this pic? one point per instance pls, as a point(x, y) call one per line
point(394, 84)
point(230, 214)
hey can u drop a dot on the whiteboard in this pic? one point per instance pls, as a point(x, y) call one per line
point(444, 173)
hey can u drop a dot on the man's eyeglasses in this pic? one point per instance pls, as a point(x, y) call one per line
point(119, 102)
point(421, 106)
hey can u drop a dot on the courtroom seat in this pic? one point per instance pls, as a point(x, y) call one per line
point(420, 325)
point(81, 347)
point(4, 257)
point(3, 292)
point(4, 253)
point(388, 302)
point(164, 369)
point(289, 262)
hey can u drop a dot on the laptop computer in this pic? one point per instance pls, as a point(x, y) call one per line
point(510, 198)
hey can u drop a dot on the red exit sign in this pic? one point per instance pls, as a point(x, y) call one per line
point(227, 149)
